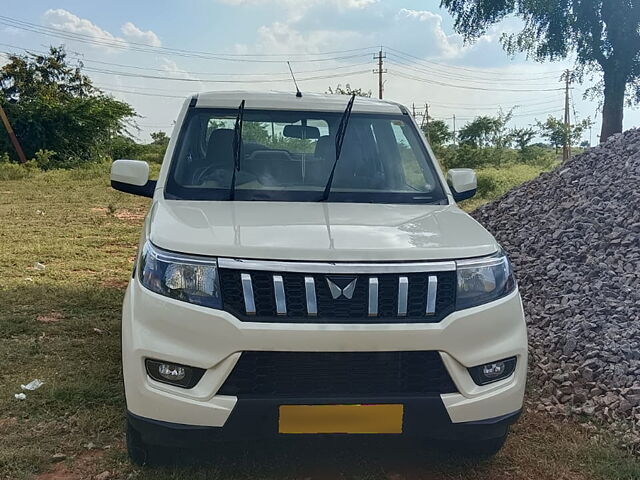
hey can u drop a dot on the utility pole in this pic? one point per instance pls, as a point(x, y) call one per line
point(455, 140)
point(425, 117)
point(566, 149)
point(425, 121)
point(12, 136)
point(380, 70)
point(413, 109)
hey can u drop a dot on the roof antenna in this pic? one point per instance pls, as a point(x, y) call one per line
point(298, 92)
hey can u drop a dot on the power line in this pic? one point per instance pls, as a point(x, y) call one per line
point(469, 79)
point(144, 48)
point(162, 70)
point(215, 81)
point(468, 69)
point(466, 87)
point(493, 107)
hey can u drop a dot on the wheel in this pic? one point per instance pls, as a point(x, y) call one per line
point(144, 454)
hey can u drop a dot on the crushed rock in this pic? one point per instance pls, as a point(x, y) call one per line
point(573, 235)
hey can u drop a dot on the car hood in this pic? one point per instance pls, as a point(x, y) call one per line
point(317, 231)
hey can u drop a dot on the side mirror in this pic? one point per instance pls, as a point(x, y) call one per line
point(132, 176)
point(463, 183)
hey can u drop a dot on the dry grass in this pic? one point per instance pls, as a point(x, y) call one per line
point(61, 325)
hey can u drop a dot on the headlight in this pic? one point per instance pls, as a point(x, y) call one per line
point(484, 280)
point(183, 277)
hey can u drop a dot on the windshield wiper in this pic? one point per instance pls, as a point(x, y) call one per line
point(342, 128)
point(237, 145)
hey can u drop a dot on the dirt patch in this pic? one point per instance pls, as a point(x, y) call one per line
point(100, 209)
point(7, 423)
point(81, 467)
point(129, 215)
point(52, 317)
point(114, 283)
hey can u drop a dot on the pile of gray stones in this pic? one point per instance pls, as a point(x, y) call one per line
point(573, 236)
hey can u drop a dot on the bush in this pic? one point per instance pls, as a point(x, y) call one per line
point(494, 182)
point(16, 171)
point(43, 158)
point(539, 156)
point(89, 171)
point(467, 156)
point(123, 147)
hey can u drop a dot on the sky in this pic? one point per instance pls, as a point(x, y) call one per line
point(152, 54)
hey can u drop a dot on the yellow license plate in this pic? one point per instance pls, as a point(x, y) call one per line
point(306, 419)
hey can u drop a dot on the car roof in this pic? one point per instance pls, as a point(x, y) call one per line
point(288, 101)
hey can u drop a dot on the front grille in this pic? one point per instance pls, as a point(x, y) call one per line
point(328, 309)
point(337, 374)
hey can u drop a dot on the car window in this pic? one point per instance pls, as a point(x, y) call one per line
point(285, 155)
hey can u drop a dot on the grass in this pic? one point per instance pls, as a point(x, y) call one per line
point(61, 325)
point(494, 182)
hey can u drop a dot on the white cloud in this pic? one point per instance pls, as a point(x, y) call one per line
point(300, 4)
point(283, 38)
point(134, 34)
point(448, 45)
point(172, 67)
point(297, 9)
point(65, 20)
point(104, 40)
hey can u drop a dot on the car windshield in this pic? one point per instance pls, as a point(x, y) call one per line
point(288, 156)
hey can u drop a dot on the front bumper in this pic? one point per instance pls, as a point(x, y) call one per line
point(257, 419)
point(158, 327)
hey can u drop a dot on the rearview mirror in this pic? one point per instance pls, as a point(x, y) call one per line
point(301, 131)
point(463, 183)
point(132, 176)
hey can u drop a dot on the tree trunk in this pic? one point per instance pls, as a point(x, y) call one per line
point(615, 83)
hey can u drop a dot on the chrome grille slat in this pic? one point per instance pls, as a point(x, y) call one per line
point(432, 292)
point(278, 289)
point(310, 293)
point(373, 297)
point(403, 296)
point(247, 292)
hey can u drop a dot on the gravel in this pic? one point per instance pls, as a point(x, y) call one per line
point(573, 236)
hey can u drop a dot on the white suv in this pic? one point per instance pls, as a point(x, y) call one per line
point(304, 269)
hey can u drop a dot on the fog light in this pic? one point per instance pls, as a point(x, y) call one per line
point(173, 373)
point(492, 372)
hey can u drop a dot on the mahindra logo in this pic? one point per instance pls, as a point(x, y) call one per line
point(342, 287)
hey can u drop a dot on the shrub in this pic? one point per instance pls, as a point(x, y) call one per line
point(494, 182)
point(89, 171)
point(43, 158)
point(16, 171)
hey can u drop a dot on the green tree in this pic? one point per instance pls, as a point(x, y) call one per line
point(485, 131)
point(160, 138)
point(477, 133)
point(437, 131)
point(54, 107)
point(348, 90)
point(604, 35)
point(522, 137)
point(559, 134)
